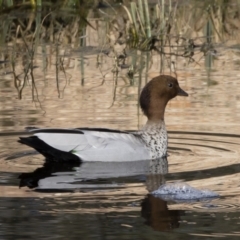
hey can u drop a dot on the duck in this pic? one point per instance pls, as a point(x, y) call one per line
point(110, 145)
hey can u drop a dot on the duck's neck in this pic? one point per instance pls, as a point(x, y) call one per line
point(154, 126)
point(156, 112)
point(154, 134)
point(152, 122)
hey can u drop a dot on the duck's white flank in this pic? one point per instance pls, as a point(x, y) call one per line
point(99, 146)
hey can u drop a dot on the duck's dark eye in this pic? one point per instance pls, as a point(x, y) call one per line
point(170, 85)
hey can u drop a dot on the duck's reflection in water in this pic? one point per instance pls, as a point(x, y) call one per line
point(48, 170)
point(69, 177)
point(153, 209)
point(158, 216)
point(73, 176)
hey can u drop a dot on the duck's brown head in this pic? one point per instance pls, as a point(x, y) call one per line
point(156, 94)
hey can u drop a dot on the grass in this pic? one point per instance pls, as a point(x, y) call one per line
point(167, 28)
point(31, 30)
point(144, 25)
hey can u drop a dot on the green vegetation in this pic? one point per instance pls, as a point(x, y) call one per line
point(170, 28)
point(146, 24)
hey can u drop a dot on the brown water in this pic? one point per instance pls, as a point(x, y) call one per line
point(82, 87)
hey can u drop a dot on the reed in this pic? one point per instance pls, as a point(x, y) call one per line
point(144, 26)
point(30, 33)
point(167, 28)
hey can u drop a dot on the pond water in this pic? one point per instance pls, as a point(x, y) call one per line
point(63, 72)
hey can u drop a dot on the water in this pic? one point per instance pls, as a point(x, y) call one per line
point(84, 86)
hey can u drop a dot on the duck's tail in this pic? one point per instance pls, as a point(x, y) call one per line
point(51, 154)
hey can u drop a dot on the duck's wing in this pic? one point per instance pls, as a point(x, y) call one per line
point(112, 146)
point(82, 138)
point(94, 144)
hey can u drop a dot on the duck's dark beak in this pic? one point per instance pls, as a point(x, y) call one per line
point(181, 92)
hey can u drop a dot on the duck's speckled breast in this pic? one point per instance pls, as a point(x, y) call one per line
point(155, 137)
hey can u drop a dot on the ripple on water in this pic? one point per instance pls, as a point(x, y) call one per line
point(212, 206)
point(204, 150)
